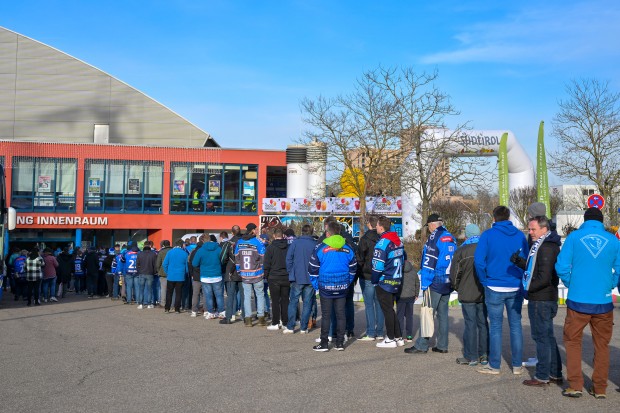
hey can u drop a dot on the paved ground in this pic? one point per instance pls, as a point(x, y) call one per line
point(100, 356)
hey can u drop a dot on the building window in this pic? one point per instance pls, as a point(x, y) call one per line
point(123, 186)
point(44, 184)
point(213, 189)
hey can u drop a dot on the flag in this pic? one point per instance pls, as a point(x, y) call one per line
point(503, 170)
point(542, 181)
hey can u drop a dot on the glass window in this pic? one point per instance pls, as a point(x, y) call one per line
point(44, 184)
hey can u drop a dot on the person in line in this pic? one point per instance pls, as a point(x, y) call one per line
point(332, 269)
point(388, 263)
point(589, 266)
point(130, 274)
point(175, 266)
point(234, 283)
point(405, 300)
point(374, 316)
point(434, 274)
point(542, 296)
point(159, 265)
point(471, 296)
point(91, 264)
point(207, 259)
point(79, 272)
point(249, 256)
point(34, 274)
point(297, 260)
point(146, 265)
point(65, 268)
point(109, 266)
point(194, 273)
point(48, 287)
point(502, 287)
point(277, 278)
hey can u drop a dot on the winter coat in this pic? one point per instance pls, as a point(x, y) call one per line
point(545, 281)
point(463, 273)
point(410, 287)
point(365, 250)
point(275, 260)
point(159, 264)
point(297, 259)
point(147, 262)
point(175, 264)
point(332, 267)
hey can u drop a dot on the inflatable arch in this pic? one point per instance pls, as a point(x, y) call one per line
point(470, 143)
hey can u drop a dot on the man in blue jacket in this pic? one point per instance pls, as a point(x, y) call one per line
point(589, 265)
point(435, 274)
point(502, 286)
point(175, 266)
point(332, 269)
point(297, 260)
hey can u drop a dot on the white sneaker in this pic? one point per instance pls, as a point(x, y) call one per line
point(233, 318)
point(45, 300)
point(273, 327)
point(400, 342)
point(517, 371)
point(54, 299)
point(318, 340)
point(287, 331)
point(151, 306)
point(140, 307)
point(303, 332)
point(387, 343)
point(221, 315)
point(379, 338)
point(194, 314)
point(209, 316)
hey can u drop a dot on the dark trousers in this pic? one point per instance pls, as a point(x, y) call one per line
point(386, 301)
point(91, 282)
point(232, 287)
point(327, 306)
point(404, 313)
point(33, 288)
point(476, 331)
point(541, 315)
point(80, 282)
point(280, 291)
point(174, 287)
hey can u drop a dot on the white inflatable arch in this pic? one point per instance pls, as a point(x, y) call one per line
point(469, 143)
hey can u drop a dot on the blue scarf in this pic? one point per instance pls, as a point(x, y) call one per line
point(531, 261)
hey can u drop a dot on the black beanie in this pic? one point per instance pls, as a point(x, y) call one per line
point(593, 213)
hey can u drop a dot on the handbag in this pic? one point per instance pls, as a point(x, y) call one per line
point(427, 322)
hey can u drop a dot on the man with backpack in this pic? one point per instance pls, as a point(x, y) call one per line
point(232, 279)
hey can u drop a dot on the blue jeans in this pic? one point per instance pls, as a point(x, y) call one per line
point(439, 302)
point(476, 332)
point(156, 289)
point(234, 298)
point(496, 301)
point(210, 289)
point(145, 289)
point(131, 286)
point(541, 315)
point(305, 291)
point(374, 316)
point(116, 287)
point(48, 288)
point(79, 283)
point(260, 299)
point(186, 293)
point(267, 299)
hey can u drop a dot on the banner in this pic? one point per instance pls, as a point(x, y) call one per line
point(542, 181)
point(178, 187)
point(44, 184)
point(333, 205)
point(504, 194)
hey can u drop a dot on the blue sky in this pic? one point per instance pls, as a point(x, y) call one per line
point(238, 69)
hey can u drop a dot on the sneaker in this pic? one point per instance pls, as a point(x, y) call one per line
point(221, 315)
point(209, 316)
point(303, 331)
point(54, 299)
point(379, 338)
point(340, 347)
point(233, 318)
point(287, 331)
point(366, 338)
point(400, 342)
point(409, 339)
point(556, 380)
point(415, 350)
point(150, 306)
point(488, 370)
point(321, 347)
point(517, 371)
point(318, 340)
point(238, 314)
point(194, 314)
point(140, 307)
point(387, 343)
point(273, 327)
point(572, 393)
point(484, 360)
point(45, 300)
point(596, 395)
point(350, 335)
point(463, 360)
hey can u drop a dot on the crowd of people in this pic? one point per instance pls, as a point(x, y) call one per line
point(229, 278)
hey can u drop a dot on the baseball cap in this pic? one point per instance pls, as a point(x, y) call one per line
point(433, 218)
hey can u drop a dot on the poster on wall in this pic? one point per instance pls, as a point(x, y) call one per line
point(214, 187)
point(45, 183)
point(248, 188)
point(178, 187)
point(133, 186)
point(94, 186)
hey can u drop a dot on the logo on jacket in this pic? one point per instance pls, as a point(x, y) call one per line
point(595, 244)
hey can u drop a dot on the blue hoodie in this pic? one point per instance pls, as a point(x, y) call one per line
point(175, 264)
point(297, 259)
point(332, 267)
point(585, 267)
point(208, 259)
point(492, 256)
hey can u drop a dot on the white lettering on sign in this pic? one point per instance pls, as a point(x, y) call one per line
point(61, 220)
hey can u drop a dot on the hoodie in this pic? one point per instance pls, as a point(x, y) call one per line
point(492, 256)
point(388, 262)
point(298, 258)
point(208, 259)
point(332, 267)
point(275, 260)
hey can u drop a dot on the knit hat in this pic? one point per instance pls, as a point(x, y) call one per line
point(537, 209)
point(472, 230)
point(593, 214)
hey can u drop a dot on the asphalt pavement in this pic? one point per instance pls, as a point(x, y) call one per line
point(98, 355)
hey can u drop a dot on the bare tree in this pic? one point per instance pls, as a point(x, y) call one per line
point(520, 199)
point(454, 214)
point(587, 129)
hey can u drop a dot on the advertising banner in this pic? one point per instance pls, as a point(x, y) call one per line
point(542, 184)
point(333, 205)
point(504, 194)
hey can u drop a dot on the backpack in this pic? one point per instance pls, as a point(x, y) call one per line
point(224, 254)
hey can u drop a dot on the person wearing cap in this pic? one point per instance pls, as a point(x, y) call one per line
point(471, 296)
point(109, 266)
point(91, 262)
point(502, 287)
point(589, 265)
point(249, 256)
point(434, 274)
